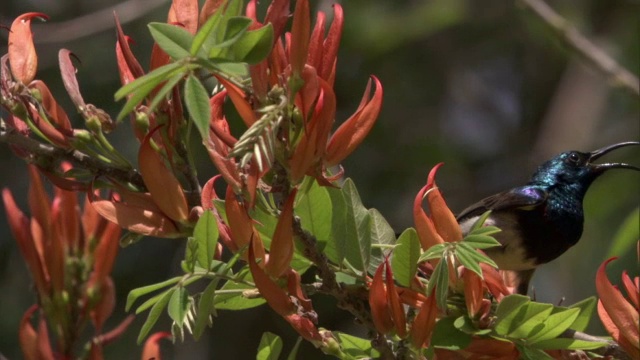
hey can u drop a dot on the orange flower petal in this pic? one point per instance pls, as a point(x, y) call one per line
point(184, 12)
point(281, 250)
point(621, 312)
point(473, 292)
point(106, 303)
point(129, 60)
point(331, 45)
point(164, 187)
point(241, 225)
point(27, 335)
point(397, 310)
point(275, 296)
point(424, 323)
point(68, 73)
point(239, 100)
point(443, 219)
point(23, 59)
point(424, 226)
point(632, 290)
point(305, 327)
point(300, 30)
point(152, 347)
point(56, 113)
point(277, 15)
point(378, 301)
point(314, 59)
point(353, 131)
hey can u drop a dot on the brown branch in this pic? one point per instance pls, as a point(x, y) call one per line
point(49, 155)
point(566, 32)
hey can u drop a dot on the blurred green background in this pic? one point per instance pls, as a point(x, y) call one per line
point(482, 85)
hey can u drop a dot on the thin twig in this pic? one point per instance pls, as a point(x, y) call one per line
point(618, 75)
point(49, 154)
point(612, 349)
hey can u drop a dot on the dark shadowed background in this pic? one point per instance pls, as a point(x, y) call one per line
point(482, 85)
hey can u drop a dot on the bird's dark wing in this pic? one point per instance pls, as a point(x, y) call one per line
point(517, 198)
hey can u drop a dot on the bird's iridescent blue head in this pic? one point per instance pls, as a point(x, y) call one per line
point(576, 168)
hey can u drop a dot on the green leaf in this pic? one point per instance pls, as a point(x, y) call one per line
point(162, 93)
point(293, 355)
point(154, 314)
point(478, 257)
point(481, 241)
point(466, 325)
point(236, 27)
point(178, 305)
point(313, 206)
point(204, 35)
point(205, 308)
point(481, 220)
point(174, 40)
point(468, 261)
point(358, 246)
point(381, 234)
point(189, 263)
point(197, 100)
point(206, 235)
point(529, 320)
point(434, 252)
point(270, 347)
point(136, 293)
point(254, 46)
point(440, 280)
point(404, 262)
point(446, 336)
point(569, 344)
point(586, 306)
point(507, 310)
point(356, 347)
point(554, 325)
point(485, 230)
point(337, 242)
point(627, 235)
point(527, 353)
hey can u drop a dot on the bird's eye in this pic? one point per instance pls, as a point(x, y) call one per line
point(574, 158)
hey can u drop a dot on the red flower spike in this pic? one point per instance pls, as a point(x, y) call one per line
point(613, 330)
point(126, 75)
point(294, 286)
point(184, 12)
point(397, 310)
point(353, 131)
point(260, 79)
point(424, 323)
point(251, 11)
point(39, 201)
point(379, 302)
point(164, 187)
point(51, 133)
point(314, 59)
point(300, 30)
point(27, 335)
point(281, 250)
point(411, 297)
point(277, 15)
point(305, 328)
point(241, 225)
point(494, 281)
point(56, 114)
point(140, 215)
point(105, 253)
point(66, 217)
point(308, 94)
point(23, 59)
point(44, 345)
point(20, 228)
point(631, 289)
point(275, 296)
point(219, 125)
point(107, 302)
point(493, 349)
point(331, 44)
point(427, 233)
point(239, 100)
point(68, 73)
point(473, 292)
point(151, 348)
point(622, 314)
point(130, 60)
point(443, 219)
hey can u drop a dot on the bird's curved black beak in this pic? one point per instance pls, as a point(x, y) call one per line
point(594, 155)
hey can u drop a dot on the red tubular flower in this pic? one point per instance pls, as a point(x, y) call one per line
point(397, 310)
point(300, 30)
point(424, 323)
point(275, 296)
point(164, 187)
point(282, 248)
point(22, 53)
point(473, 292)
point(443, 218)
point(241, 225)
point(379, 302)
point(184, 12)
point(238, 98)
point(619, 316)
point(151, 348)
point(353, 131)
